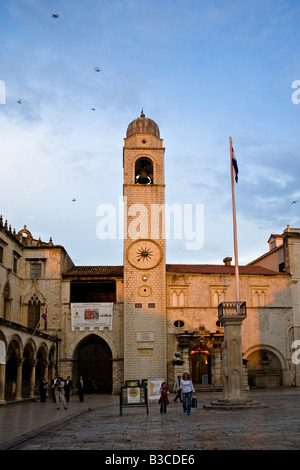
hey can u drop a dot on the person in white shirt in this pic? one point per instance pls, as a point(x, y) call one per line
point(187, 388)
point(59, 391)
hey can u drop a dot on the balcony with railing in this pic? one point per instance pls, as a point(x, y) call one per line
point(231, 309)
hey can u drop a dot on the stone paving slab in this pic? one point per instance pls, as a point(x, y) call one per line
point(97, 425)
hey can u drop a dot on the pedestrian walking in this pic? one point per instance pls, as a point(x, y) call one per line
point(164, 397)
point(59, 391)
point(80, 388)
point(177, 389)
point(68, 387)
point(187, 389)
point(43, 389)
point(53, 382)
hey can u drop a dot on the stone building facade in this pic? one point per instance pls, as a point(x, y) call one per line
point(145, 318)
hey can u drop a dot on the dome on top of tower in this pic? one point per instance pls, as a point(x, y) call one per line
point(143, 125)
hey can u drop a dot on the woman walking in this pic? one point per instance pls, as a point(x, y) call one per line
point(187, 388)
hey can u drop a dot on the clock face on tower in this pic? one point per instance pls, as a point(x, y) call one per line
point(144, 254)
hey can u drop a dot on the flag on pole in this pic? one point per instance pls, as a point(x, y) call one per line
point(44, 316)
point(234, 169)
point(234, 164)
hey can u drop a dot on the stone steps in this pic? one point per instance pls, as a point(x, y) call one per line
point(207, 388)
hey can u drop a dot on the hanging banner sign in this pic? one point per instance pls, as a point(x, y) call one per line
point(92, 315)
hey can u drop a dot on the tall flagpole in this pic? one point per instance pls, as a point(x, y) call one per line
point(237, 281)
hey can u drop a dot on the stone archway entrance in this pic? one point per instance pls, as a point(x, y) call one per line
point(93, 360)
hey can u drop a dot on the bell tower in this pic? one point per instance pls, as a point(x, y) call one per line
point(144, 252)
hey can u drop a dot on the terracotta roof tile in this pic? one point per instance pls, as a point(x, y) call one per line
point(117, 271)
point(111, 271)
point(217, 269)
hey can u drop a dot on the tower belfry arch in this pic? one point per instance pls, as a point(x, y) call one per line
point(144, 253)
point(144, 171)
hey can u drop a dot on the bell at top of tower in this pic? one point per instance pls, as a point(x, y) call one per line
point(143, 125)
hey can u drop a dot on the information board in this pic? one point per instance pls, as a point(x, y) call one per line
point(133, 396)
point(132, 383)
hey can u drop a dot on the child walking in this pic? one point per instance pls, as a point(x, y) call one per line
point(164, 399)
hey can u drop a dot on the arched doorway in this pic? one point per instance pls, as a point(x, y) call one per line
point(93, 360)
point(201, 366)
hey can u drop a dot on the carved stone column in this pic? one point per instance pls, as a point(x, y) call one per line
point(178, 367)
point(47, 364)
point(33, 364)
point(217, 379)
point(184, 345)
point(246, 382)
point(20, 361)
point(2, 382)
point(232, 363)
point(232, 358)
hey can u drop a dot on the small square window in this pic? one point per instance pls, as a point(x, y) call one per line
point(35, 270)
point(16, 257)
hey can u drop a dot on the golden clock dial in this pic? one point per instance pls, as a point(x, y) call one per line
point(144, 254)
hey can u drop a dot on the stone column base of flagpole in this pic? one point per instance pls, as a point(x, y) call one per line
point(231, 405)
point(234, 396)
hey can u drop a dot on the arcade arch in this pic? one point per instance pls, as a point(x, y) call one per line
point(27, 363)
point(13, 363)
point(23, 364)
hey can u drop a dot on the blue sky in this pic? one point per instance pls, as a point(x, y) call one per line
point(202, 70)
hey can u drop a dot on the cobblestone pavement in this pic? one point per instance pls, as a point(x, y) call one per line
point(96, 424)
